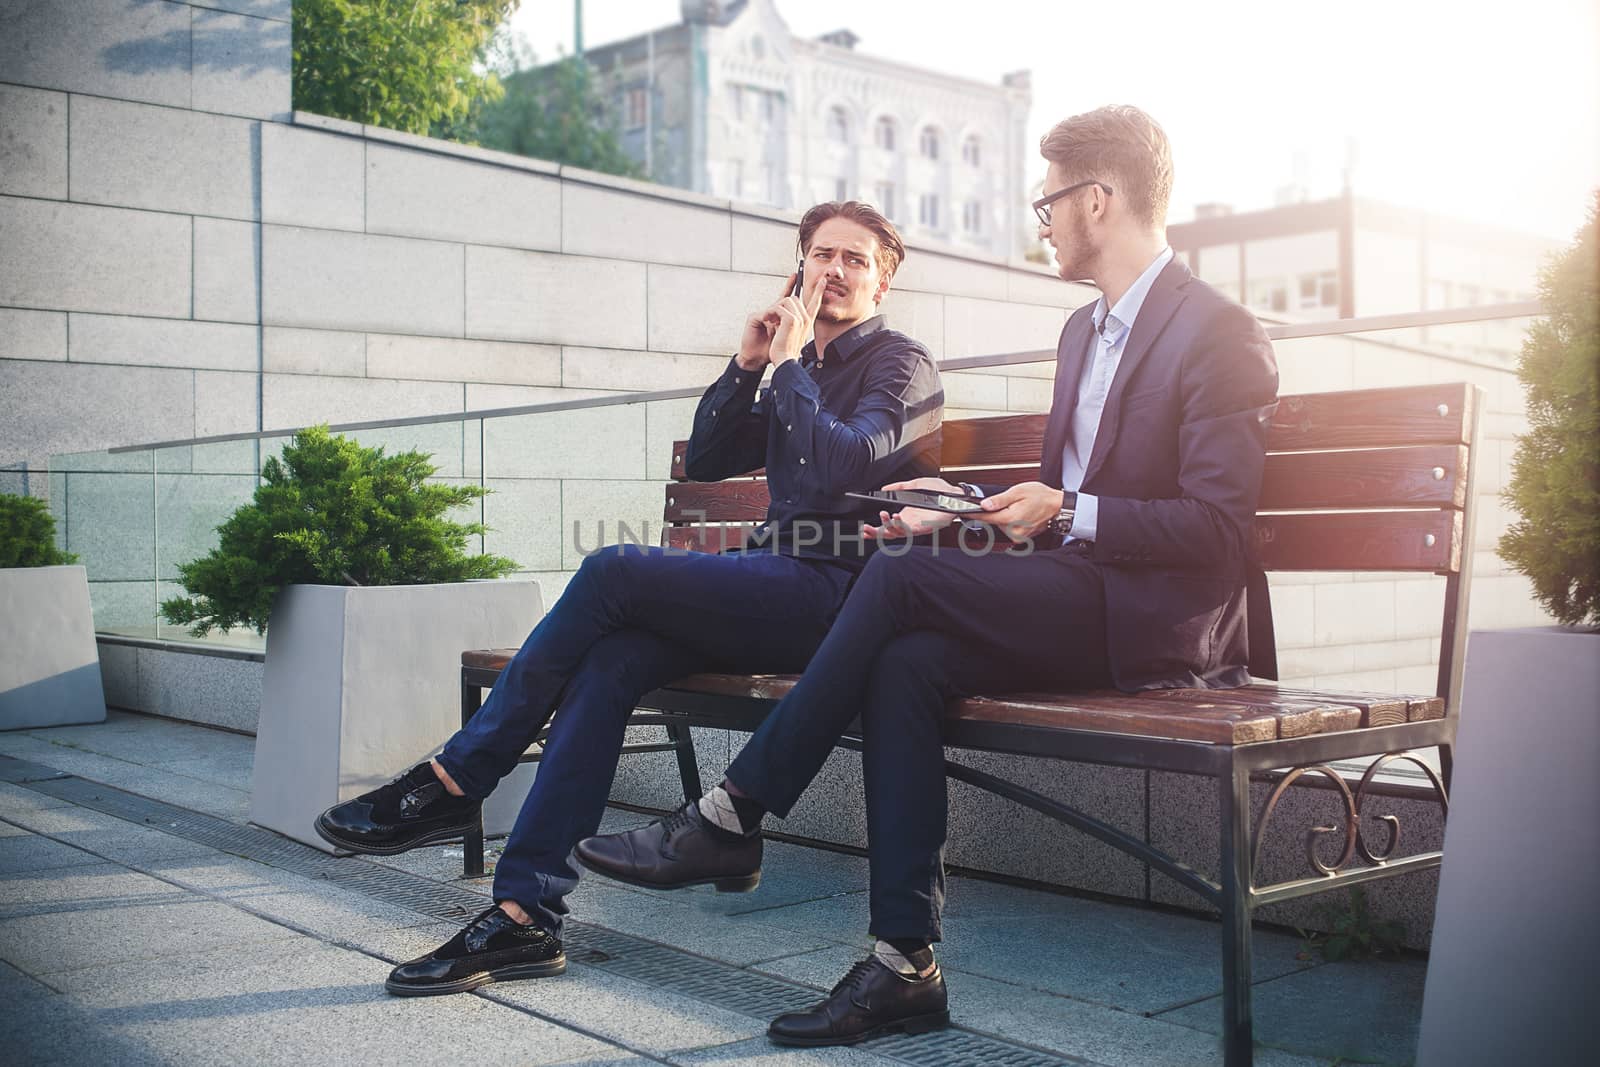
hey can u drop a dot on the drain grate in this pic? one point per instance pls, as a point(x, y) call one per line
point(711, 981)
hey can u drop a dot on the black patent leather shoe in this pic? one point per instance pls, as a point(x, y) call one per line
point(871, 1000)
point(678, 851)
point(494, 947)
point(411, 811)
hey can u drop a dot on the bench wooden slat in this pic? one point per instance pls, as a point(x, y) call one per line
point(1374, 709)
point(707, 538)
point(1373, 418)
point(1418, 476)
point(1361, 541)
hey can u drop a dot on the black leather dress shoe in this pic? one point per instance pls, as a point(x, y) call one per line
point(680, 850)
point(871, 1000)
point(494, 947)
point(411, 811)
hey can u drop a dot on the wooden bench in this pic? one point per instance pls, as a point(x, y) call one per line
point(1369, 480)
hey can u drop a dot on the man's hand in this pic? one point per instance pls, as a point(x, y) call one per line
point(796, 315)
point(909, 522)
point(755, 345)
point(1023, 511)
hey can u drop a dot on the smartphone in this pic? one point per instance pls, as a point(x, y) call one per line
point(799, 279)
point(932, 499)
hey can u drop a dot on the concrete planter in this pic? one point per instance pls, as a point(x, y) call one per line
point(49, 665)
point(1514, 944)
point(361, 683)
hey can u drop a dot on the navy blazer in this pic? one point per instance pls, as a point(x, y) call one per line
point(1177, 465)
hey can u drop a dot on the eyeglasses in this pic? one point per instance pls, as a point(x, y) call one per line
point(1041, 206)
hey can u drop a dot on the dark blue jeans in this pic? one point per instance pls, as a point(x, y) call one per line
point(632, 619)
point(920, 629)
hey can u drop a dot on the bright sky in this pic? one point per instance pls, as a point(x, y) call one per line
point(1478, 110)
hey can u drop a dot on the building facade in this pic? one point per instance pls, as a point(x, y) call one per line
point(1353, 256)
point(730, 103)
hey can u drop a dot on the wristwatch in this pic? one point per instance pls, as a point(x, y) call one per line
point(1062, 523)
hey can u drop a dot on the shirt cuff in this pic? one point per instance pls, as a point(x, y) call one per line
point(1085, 517)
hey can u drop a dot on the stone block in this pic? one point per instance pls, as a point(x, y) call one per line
point(667, 422)
point(1419, 608)
point(119, 672)
point(611, 368)
point(1028, 394)
point(1293, 615)
point(329, 353)
point(493, 397)
point(227, 272)
point(702, 310)
point(110, 406)
point(1356, 612)
point(555, 299)
point(454, 360)
point(992, 327)
point(128, 49)
point(33, 142)
point(763, 246)
point(595, 514)
point(424, 194)
point(50, 673)
point(216, 690)
point(623, 225)
point(80, 257)
point(310, 178)
point(161, 342)
point(602, 442)
point(111, 525)
point(918, 315)
point(928, 271)
point(293, 400)
point(969, 389)
point(226, 402)
point(524, 520)
point(360, 282)
point(162, 159)
point(189, 508)
point(33, 334)
point(1042, 285)
point(242, 65)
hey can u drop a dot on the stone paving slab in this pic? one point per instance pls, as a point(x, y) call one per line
point(316, 907)
point(29, 852)
point(15, 799)
point(43, 945)
point(759, 1052)
point(1368, 1013)
point(16, 987)
point(303, 1002)
point(96, 887)
point(107, 836)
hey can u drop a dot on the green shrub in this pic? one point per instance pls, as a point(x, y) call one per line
point(331, 513)
point(1555, 480)
point(28, 534)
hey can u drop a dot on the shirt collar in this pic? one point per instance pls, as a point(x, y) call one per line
point(848, 343)
point(1127, 308)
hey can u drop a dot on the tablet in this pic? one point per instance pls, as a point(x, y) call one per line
point(932, 499)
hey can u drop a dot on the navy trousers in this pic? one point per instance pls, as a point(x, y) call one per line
point(632, 619)
point(922, 627)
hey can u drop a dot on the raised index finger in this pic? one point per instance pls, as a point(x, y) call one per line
point(819, 285)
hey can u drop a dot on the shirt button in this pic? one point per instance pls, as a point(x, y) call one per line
point(713, 412)
point(791, 427)
point(802, 461)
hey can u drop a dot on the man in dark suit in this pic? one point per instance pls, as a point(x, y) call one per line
point(1151, 470)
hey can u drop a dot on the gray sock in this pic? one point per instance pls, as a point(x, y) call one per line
point(716, 807)
point(900, 963)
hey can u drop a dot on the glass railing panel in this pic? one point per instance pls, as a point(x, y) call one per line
point(197, 488)
point(104, 507)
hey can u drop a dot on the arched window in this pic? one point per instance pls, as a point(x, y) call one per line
point(930, 142)
point(883, 133)
point(971, 151)
point(838, 125)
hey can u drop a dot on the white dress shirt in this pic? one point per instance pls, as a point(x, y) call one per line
point(1111, 335)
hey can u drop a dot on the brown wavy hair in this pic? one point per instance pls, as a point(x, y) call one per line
point(891, 250)
point(1121, 146)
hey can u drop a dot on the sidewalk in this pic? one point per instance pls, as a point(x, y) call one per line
point(142, 921)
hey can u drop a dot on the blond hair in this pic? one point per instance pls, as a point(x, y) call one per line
point(1122, 147)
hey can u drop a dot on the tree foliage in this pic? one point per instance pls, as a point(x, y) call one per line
point(334, 513)
point(28, 534)
point(556, 113)
point(1555, 480)
point(401, 64)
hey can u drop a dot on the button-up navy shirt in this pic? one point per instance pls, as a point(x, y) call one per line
point(864, 413)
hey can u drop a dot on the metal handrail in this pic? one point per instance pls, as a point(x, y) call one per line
point(1276, 332)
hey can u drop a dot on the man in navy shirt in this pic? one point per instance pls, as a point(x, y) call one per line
point(856, 408)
